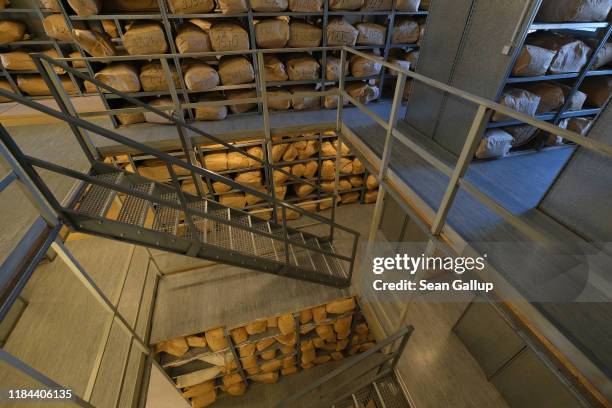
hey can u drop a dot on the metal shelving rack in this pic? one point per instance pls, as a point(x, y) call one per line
point(170, 22)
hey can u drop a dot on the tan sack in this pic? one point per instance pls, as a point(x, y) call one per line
point(5, 86)
point(191, 6)
point(266, 378)
point(305, 316)
point(332, 70)
point(407, 5)
point(363, 92)
point(533, 61)
point(212, 112)
point(279, 99)
point(237, 160)
point(175, 347)
point(272, 33)
point(340, 32)
point(255, 151)
point(290, 154)
point(228, 37)
point(377, 5)
point(154, 78)
point(200, 76)
point(301, 101)
point(302, 67)
point(110, 28)
point(571, 55)
point(328, 170)
point(370, 196)
point(289, 370)
point(216, 162)
point(145, 38)
point(192, 37)
point(340, 306)
point(130, 118)
point(518, 100)
point(85, 7)
point(236, 389)
point(561, 11)
point(495, 143)
point(400, 64)
point(365, 67)
point(308, 149)
point(278, 151)
point(51, 5)
point(121, 76)
point(234, 200)
point(196, 340)
point(199, 389)
point(287, 340)
point(235, 70)
point(304, 35)
point(345, 4)
point(303, 190)
point(331, 101)
point(598, 90)
point(371, 34)
point(94, 43)
point(358, 167)
point(274, 69)
point(371, 182)
point(130, 5)
point(159, 102)
point(310, 170)
point(348, 198)
point(579, 125)
point(249, 178)
point(603, 57)
point(286, 324)
point(256, 327)
point(54, 25)
point(34, 85)
point(405, 31)
point(306, 6)
point(356, 181)
point(412, 57)
point(77, 63)
point(269, 5)
point(551, 95)
point(233, 6)
point(241, 94)
point(521, 134)
point(220, 187)
point(22, 61)
point(577, 99)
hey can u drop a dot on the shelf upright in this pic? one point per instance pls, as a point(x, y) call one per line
point(387, 49)
point(323, 75)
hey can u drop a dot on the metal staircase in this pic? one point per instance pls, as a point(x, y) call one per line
point(122, 205)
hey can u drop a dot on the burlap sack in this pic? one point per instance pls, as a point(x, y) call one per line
point(302, 101)
point(256, 151)
point(331, 101)
point(371, 182)
point(400, 64)
point(22, 61)
point(200, 76)
point(342, 327)
point(308, 356)
point(405, 31)
point(130, 5)
point(326, 332)
point(265, 343)
point(521, 134)
point(94, 43)
point(175, 347)
point(310, 169)
point(364, 67)
point(272, 33)
point(159, 102)
point(495, 143)
point(274, 69)
point(303, 190)
point(269, 5)
point(287, 340)
point(519, 100)
point(339, 32)
point(233, 200)
point(55, 27)
point(267, 378)
point(121, 76)
point(412, 57)
point(34, 85)
point(571, 55)
point(328, 170)
point(345, 4)
point(377, 5)
point(306, 6)
point(577, 99)
point(249, 178)
point(407, 5)
point(305, 316)
point(153, 77)
point(356, 181)
point(551, 95)
point(216, 112)
point(290, 153)
point(358, 167)
point(51, 5)
point(370, 196)
point(363, 92)
point(235, 70)
point(289, 370)
point(371, 34)
point(344, 149)
point(193, 37)
point(309, 149)
point(598, 90)
point(216, 161)
point(236, 160)
point(228, 37)
point(256, 327)
point(77, 63)
point(232, 6)
point(130, 118)
point(302, 67)
point(286, 324)
point(603, 57)
point(279, 99)
point(560, 11)
point(145, 38)
point(278, 151)
point(241, 94)
point(220, 187)
point(110, 28)
point(340, 306)
point(236, 389)
point(304, 35)
point(332, 69)
point(191, 6)
point(348, 198)
point(280, 192)
point(246, 350)
point(85, 7)
point(533, 61)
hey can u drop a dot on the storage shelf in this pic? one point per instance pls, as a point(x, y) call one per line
point(23, 11)
point(568, 26)
point(194, 353)
point(547, 117)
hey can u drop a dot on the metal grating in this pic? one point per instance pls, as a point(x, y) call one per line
point(241, 239)
point(263, 245)
point(98, 199)
point(391, 392)
point(335, 264)
point(134, 209)
point(166, 218)
point(201, 224)
point(367, 398)
point(301, 254)
point(218, 232)
point(319, 259)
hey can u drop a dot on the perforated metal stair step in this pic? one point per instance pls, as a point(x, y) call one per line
point(264, 246)
point(166, 218)
point(336, 266)
point(134, 209)
point(97, 199)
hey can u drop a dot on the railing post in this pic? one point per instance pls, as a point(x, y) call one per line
point(469, 148)
point(195, 247)
point(340, 90)
point(285, 235)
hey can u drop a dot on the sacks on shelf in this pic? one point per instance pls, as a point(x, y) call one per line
point(364, 67)
point(346, 165)
point(175, 347)
point(370, 196)
point(303, 190)
point(371, 182)
point(235, 70)
point(272, 33)
point(199, 76)
point(495, 143)
point(340, 32)
point(153, 77)
point(241, 94)
point(191, 6)
point(145, 38)
point(50, 5)
point(533, 61)
point(560, 11)
point(279, 99)
point(152, 117)
point(412, 57)
point(54, 26)
point(407, 5)
point(219, 187)
point(405, 31)
point(130, 118)
point(300, 100)
point(76, 63)
point(228, 37)
point(306, 6)
point(85, 7)
point(130, 5)
point(255, 151)
point(551, 95)
point(332, 69)
point(604, 56)
point(328, 171)
point(302, 67)
point(94, 43)
point(310, 169)
point(400, 64)
point(377, 5)
point(331, 101)
point(235, 389)
point(233, 200)
point(274, 69)
point(4, 85)
point(290, 153)
point(358, 167)
point(253, 199)
point(518, 100)
point(364, 93)
point(598, 90)
point(213, 112)
point(249, 178)
point(308, 149)
point(577, 99)
point(571, 54)
point(269, 5)
point(21, 61)
point(348, 198)
point(304, 35)
point(121, 76)
point(34, 85)
point(236, 160)
point(345, 4)
point(266, 378)
point(371, 34)
point(232, 6)
point(110, 28)
point(356, 181)
point(216, 161)
point(521, 134)
point(192, 36)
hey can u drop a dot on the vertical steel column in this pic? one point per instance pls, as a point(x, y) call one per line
point(341, 90)
point(338, 141)
point(388, 44)
point(465, 158)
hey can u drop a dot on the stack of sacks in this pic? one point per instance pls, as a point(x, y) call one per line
point(236, 70)
point(211, 112)
point(371, 34)
point(199, 76)
point(304, 35)
point(154, 78)
point(518, 100)
point(331, 149)
point(406, 31)
point(144, 37)
point(561, 11)
point(272, 33)
point(228, 37)
point(339, 32)
point(34, 85)
point(332, 69)
point(302, 67)
point(365, 67)
point(121, 76)
point(570, 54)
point(274, 69)
point(192, 36)
point(495, 143)
point(372, 189)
